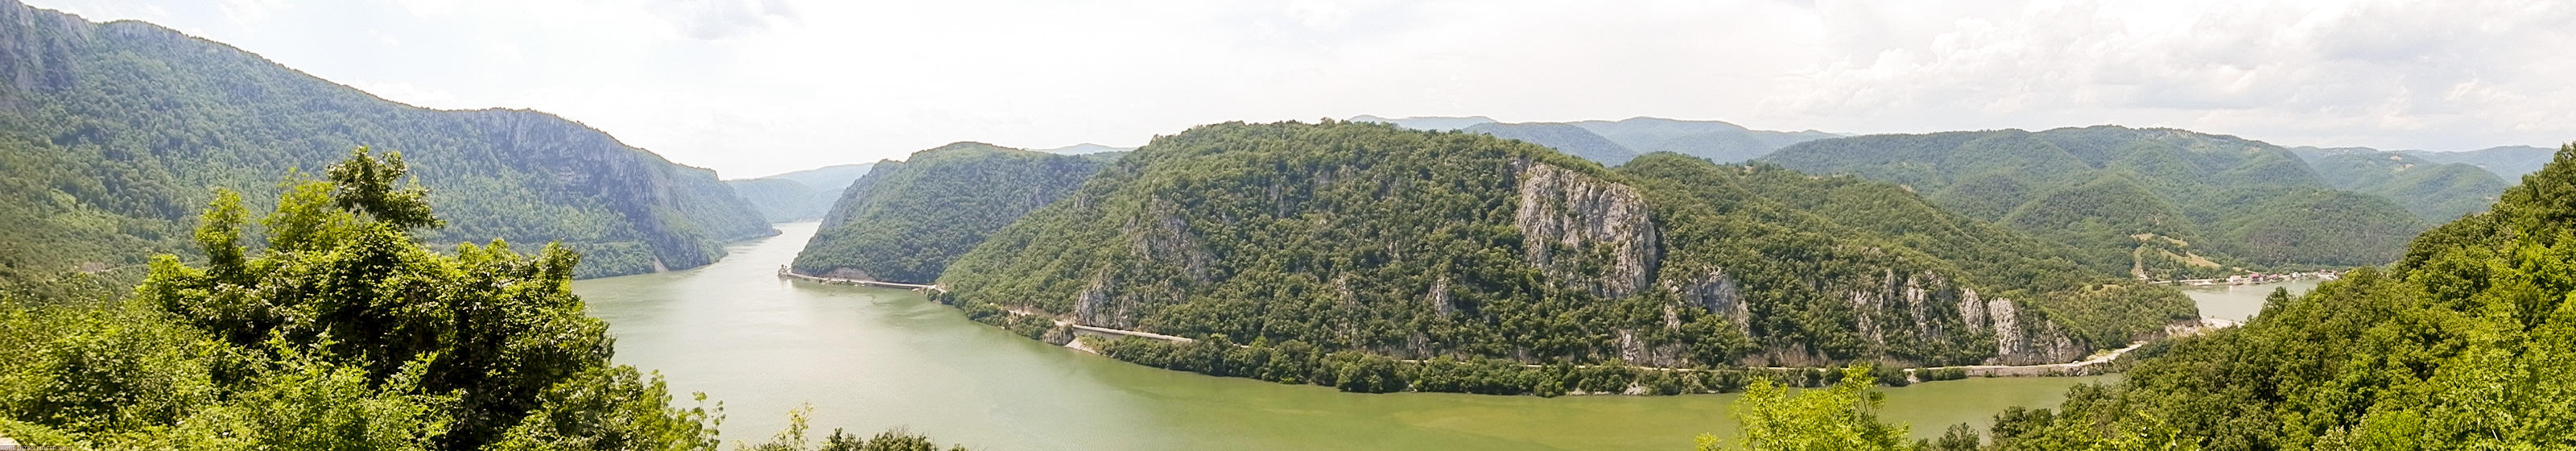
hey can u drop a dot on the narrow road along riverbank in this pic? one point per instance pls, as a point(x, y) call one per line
point(2075, 368)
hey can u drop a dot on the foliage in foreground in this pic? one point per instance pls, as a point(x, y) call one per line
point(337, 331)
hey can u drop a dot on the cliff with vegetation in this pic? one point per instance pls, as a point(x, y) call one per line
point(906, 220)
point(2158, 203)
point(2463, 343)
point(1361, 238)
point(111, 133)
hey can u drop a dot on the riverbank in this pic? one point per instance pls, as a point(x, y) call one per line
point(784, 272)
point(870, 358)
point(2253, 279)
point(1077, 338)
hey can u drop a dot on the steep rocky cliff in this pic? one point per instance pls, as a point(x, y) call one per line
point(133, 122)
point(1570, 222)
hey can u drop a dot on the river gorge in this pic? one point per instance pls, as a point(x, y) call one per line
point(870, 359)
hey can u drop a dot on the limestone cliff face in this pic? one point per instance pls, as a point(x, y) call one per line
point(1570, 220)
point(2019, 342)
point(1163, 237)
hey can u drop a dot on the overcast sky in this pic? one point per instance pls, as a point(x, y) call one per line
point(756, 87)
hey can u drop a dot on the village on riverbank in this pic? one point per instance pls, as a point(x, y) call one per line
point(2251, 278)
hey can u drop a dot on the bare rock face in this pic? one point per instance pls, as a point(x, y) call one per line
point(1717, 293)
point(1567, 218)
point(1096, 306)
point(2018, 343)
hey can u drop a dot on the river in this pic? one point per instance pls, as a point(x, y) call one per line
point(871, 359)
point(2240, 302)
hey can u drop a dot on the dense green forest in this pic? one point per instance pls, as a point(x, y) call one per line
point(110, 134)
point(2160, 203)
point(1376, 243)
point(331, 327)
point(798, 196)
point(906, 220)
point(2465, 342)
point(2437, 192)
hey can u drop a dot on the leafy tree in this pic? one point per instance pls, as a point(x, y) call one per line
point(1838, 418)
point(343, 333)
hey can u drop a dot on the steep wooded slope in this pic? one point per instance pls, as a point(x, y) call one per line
point(906, 220)
point(112, 134)
point(2433, 191)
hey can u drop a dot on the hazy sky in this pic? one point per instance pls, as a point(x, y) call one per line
point(755, 87)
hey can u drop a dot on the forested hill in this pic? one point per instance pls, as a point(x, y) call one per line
point(2464, 343)
point(906, 220)
point(2161, 202)
point(2434, 191)
point(112, 134)
point(798, 196)
point(1348, 236)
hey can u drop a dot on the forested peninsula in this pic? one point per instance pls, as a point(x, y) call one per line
point(1321, 247)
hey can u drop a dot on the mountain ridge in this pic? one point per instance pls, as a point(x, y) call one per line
point(2209, 197)
point(122, 126)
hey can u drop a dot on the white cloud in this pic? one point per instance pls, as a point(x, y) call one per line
point(2395, 74)
point(764, 86)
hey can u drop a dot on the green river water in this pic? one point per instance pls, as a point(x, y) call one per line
point(872, 359)
point(2240, 302)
